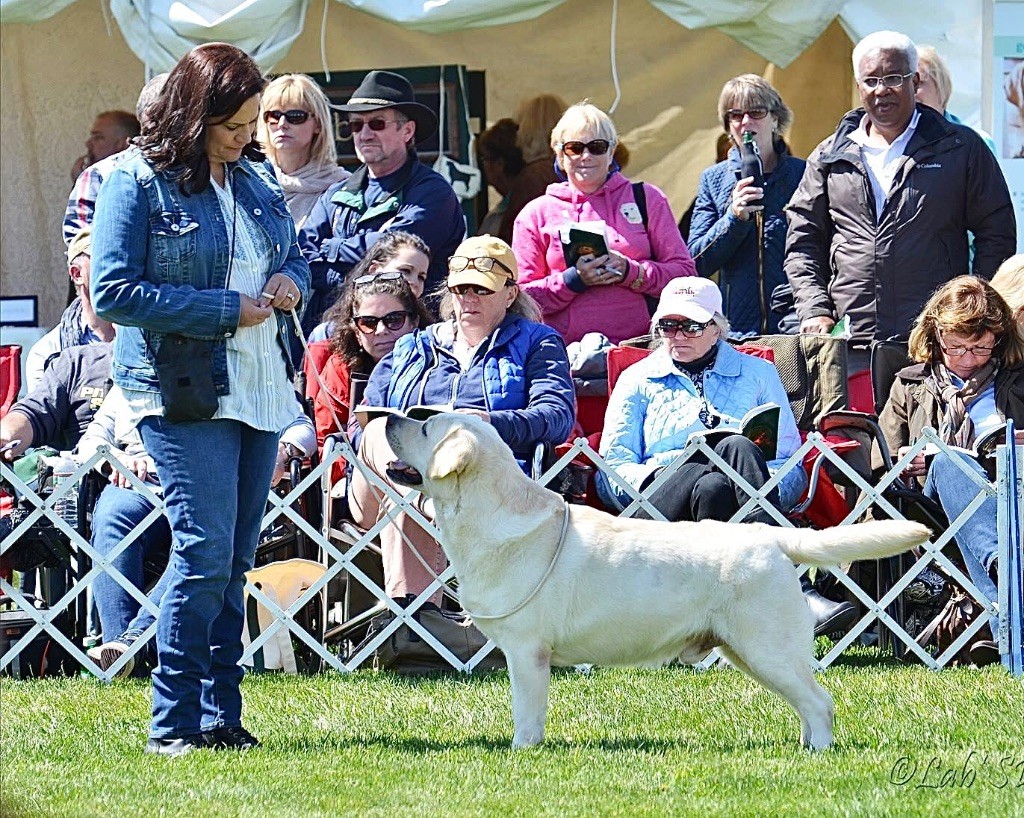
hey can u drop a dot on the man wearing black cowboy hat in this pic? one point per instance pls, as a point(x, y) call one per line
point(392, 190)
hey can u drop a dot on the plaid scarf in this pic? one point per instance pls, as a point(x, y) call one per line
point(956, 427)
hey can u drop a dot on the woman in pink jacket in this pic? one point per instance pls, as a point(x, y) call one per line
point(600, 293)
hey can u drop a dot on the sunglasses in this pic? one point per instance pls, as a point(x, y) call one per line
point(465, 289)
point(369, 278)
point(736, 115)
point(484, 264)
point(392, 321)
point(378, 123)
point(597, 147)
point(889, 81)
point(690, 329)
point(294, 117)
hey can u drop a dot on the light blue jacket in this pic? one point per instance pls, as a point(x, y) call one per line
point(160, 263)
point(653, 411)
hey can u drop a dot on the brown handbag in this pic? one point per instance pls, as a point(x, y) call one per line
point(956, 616)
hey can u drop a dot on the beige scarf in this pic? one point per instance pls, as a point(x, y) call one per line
point(956, 428)
point(303, 188)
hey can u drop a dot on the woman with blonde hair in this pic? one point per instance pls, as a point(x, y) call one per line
point(295, 131)
point(968, 379)
point(604, 293)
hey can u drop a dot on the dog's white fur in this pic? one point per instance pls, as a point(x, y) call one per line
point(623, 591)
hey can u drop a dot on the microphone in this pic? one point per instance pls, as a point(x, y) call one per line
point(750, 162)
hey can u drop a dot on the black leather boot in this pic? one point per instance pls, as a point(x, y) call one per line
point(829, 616)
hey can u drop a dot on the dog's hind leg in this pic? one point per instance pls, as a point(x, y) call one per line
point(530, 672)
point(773, 659)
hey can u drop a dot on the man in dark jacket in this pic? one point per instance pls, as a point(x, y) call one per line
point(392, 190)
point(881, 216)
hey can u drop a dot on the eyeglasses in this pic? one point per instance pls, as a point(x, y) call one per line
point(889, 81)
point(456, 264)
point(369, 278)
point(736, 115)
point(690, 329)
point(959, 351)
point(466, 289)
point(597, 147)
point(392, 321)
point(294, 117)
point(378, 123)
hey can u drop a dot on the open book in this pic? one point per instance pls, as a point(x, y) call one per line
point(760, 424)
point(364, 414)
point(983, 449)
point(583, 239)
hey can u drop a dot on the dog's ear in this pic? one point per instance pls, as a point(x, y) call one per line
point(452, 455)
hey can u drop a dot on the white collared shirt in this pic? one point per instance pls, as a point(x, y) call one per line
point(882, 163)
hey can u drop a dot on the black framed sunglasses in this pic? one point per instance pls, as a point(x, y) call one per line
point(294, 117)
point(369, 278)
point(736, 115)
point(690, 329)
point(476, 289)
point(597, 147)
point(456, 264)
point(392, 321)
point(378, 123)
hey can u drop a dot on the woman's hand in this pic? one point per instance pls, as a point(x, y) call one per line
point(280, 292)
point(917, 467)
point(742, 195)
point(253, 312)
point(597, 271)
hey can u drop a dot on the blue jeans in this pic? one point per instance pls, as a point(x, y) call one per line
point(216, 477)
point(119, 511)
point(977, 538)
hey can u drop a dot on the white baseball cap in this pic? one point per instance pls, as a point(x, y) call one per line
point(693, 297)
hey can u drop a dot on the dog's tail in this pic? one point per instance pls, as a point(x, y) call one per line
point(863, 541)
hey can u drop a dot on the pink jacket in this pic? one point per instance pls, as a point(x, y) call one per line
point(618, 311)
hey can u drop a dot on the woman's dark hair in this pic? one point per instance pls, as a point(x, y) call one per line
point(498, 143)
point(211, 82)
point(386, 248)
point(344, 338)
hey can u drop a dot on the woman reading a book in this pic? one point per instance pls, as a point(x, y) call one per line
point(487, 357)
point(968, 380)
point(695, 383)
point(593, 246)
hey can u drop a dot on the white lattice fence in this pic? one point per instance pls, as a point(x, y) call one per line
point(339, 549)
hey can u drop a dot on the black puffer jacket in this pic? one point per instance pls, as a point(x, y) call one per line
point(840, 262)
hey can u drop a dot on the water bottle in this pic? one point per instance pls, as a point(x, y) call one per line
point(67, 506)
point(750, 163)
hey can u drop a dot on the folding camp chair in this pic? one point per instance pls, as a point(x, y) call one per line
point(10, 376)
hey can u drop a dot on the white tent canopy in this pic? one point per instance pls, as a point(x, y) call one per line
point(160, 31)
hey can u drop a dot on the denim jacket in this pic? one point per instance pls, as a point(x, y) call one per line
point(160, 263)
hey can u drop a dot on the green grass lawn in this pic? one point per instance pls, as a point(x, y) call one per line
point(620, 742)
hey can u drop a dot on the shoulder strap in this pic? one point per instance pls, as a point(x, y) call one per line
point(640, 197)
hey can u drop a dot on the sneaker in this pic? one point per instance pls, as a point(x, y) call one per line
point(109, 652)
point(174, 747)
point(231, 738)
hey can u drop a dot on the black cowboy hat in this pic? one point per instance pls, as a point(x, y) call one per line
point(385, 89)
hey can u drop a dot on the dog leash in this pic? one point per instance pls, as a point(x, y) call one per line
point(543, 579)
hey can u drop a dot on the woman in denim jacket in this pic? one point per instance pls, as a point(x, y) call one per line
point(194, 249)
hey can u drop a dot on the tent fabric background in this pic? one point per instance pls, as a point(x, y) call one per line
point(55, 75)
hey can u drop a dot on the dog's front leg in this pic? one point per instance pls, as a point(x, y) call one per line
point(530, 673)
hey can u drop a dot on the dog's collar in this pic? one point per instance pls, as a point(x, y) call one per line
point(543, 579)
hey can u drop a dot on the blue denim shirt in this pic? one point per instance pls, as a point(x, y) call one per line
point(160, 263)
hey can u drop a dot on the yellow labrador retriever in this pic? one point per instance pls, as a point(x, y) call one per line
point(563, 585)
